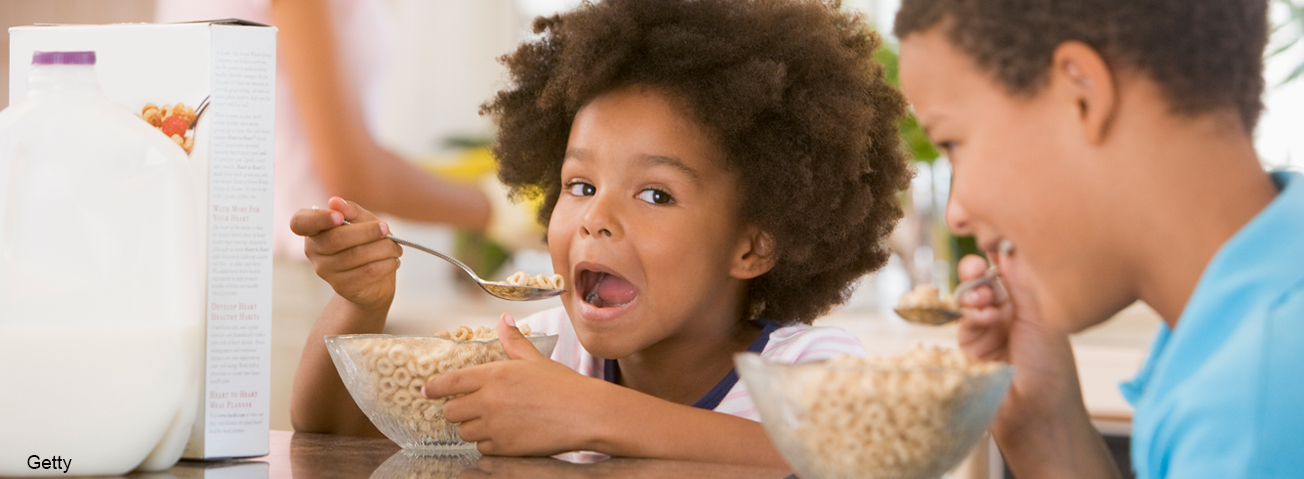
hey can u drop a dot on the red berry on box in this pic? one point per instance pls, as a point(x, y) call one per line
point(175, 125)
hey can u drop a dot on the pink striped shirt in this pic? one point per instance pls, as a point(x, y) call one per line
point(792, 344)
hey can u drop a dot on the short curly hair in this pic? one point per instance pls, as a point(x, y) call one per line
point(789, 90)
point(1204, 54)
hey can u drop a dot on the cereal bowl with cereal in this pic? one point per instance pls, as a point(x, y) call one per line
point(912, 416)
point(385, 373)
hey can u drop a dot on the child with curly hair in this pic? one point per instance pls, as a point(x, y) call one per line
point(715, 174)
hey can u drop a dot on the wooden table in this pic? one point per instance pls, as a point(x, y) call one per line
point(310, 456)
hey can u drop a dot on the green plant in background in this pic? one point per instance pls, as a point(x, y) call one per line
point(912, 135)
point(483, 255)
point(466, 142)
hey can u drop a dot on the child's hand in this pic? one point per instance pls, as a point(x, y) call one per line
point(1045, 388)
point(356, 259)
point(528, 405)
point(985, 328)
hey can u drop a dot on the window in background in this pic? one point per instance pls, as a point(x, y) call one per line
point(1278, 137)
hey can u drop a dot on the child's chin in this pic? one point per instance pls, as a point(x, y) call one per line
point(606, 344)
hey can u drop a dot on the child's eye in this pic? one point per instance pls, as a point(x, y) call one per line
point(946, 146)
point(580, 188)
point(655, 196)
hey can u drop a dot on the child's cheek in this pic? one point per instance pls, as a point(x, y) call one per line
point(559, 243)
point(557, 251)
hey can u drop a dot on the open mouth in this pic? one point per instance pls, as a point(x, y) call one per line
point(603, 289)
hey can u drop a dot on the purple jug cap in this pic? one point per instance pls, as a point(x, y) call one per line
point(63, 58)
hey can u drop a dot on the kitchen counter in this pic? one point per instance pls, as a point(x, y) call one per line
point(311, 456)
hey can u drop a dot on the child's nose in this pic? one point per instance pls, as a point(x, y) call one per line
point(957, 219)
point(601, 232)
point(600, 217)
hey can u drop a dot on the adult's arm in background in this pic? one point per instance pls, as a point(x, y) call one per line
point(350, 162)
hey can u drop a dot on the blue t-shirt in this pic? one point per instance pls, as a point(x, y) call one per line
point(1222, 395)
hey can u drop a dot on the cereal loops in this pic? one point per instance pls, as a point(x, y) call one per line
point(891, 419)
point(538, 281)
point(397, 368)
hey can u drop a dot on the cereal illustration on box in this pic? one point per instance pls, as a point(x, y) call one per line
point(174, 121)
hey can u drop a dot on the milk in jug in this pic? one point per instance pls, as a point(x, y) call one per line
point(101, 295)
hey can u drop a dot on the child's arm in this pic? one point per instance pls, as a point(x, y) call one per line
point(639, 425)
point(567, 411)
point(359, 263)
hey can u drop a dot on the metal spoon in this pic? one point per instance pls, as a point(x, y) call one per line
point(948, 312)
point(506, 291)
point(199, 110)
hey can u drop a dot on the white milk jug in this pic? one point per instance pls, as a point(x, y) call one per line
point(101, 297)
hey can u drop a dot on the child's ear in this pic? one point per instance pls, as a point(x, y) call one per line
point(1080, 75)
point(754, 256)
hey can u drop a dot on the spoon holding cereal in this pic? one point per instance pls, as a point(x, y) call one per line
point(925, 305)
point(518, 287)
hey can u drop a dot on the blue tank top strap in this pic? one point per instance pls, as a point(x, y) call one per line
point(611, 369)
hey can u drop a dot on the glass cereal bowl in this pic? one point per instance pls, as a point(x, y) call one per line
point(895, 418)
point(384, 374)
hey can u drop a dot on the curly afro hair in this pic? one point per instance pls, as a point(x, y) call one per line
point(788, 88)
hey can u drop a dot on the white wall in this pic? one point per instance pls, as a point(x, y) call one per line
point(445, 66)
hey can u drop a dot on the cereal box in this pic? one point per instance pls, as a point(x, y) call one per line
point(208, 86)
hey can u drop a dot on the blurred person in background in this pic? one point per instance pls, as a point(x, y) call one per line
point(331, 55)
